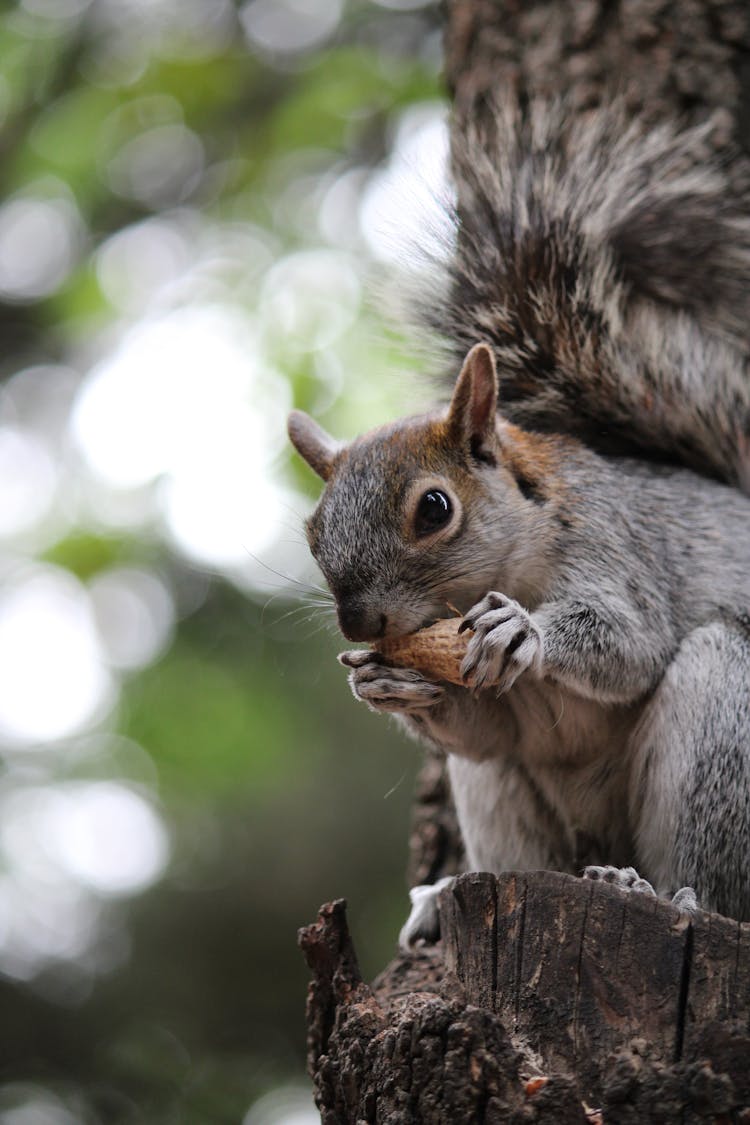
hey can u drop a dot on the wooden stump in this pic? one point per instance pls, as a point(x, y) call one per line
point(549, 999)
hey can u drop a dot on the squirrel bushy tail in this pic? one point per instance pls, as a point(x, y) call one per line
point(609, 266)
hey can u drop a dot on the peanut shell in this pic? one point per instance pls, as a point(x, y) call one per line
point(436, 651)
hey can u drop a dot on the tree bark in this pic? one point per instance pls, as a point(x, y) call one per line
point(667, 59)
point(550, 999)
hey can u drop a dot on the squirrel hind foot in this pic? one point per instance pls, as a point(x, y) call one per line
point(686, 901)
point(628, 879)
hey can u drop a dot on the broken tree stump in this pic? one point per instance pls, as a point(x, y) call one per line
point(548, 999)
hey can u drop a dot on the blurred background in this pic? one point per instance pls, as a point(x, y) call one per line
point(199, 199)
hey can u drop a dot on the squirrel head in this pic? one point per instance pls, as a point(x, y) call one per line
point(422, 516)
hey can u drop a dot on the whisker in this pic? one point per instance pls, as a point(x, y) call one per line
point(289, 578)
point(293, 511)
point(558, 720)
point(317, 612)
point(303, 601)
point(324, 624)
point(393, 788)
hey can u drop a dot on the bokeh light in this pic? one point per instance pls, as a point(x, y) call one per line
point(105, 836)
point(29, 481)
point(187, 401)
point(406, 204)
point(160, 166)
point(139, 262)
point(192, 216)
point(32, 1105)
point(309, 299)
point(52, 670)
point(290, 25)
point(289, 1105)
point(134, 612)
point(39, 243)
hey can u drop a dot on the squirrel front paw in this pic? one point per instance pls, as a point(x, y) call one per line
point(395, 690)
point(506, 642)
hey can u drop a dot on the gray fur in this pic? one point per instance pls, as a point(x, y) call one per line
point(626, 740)
point(606, 717)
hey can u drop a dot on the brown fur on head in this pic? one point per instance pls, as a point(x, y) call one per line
point(402, 528)
point(470, 419)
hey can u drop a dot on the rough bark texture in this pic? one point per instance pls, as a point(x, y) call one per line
point(550, 999)
point(666, 58)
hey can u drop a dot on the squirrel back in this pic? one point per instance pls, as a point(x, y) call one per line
point(609, 268)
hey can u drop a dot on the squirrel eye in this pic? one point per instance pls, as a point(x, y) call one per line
point(433, 511)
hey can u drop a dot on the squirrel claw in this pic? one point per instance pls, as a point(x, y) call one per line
point(626, 878)
point(358, 657)
point(394, 690)
point(506, 642)
point(686, 901)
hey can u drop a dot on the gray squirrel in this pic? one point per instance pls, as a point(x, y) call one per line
point(582, 501)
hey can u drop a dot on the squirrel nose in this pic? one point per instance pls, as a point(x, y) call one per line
point(360, 624)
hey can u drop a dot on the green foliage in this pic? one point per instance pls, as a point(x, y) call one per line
point(275, 789)
point(345, 87)
point(61, 140)
point(79, 307)
point(85, 554)
point(213, 725)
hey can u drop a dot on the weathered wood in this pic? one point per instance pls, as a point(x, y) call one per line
point(583, 968)
point(549, 999)
point(420, 1057)
point(468, 920)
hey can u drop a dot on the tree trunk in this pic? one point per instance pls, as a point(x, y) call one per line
point(668, 59)
point(550, 999)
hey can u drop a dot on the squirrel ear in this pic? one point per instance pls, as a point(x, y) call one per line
point(473, 408)
point(312, 443)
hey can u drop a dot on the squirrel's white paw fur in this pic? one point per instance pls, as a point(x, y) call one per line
point(392, 690)
point(506, 642)
point(626, 878)
point(629, 880)
point(686, 901)
point(423, 923)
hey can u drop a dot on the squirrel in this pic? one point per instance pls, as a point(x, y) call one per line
point(582, 501)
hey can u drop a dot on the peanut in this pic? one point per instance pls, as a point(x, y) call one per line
point(436, 651)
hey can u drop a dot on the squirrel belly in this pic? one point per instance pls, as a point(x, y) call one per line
point(580, 502)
